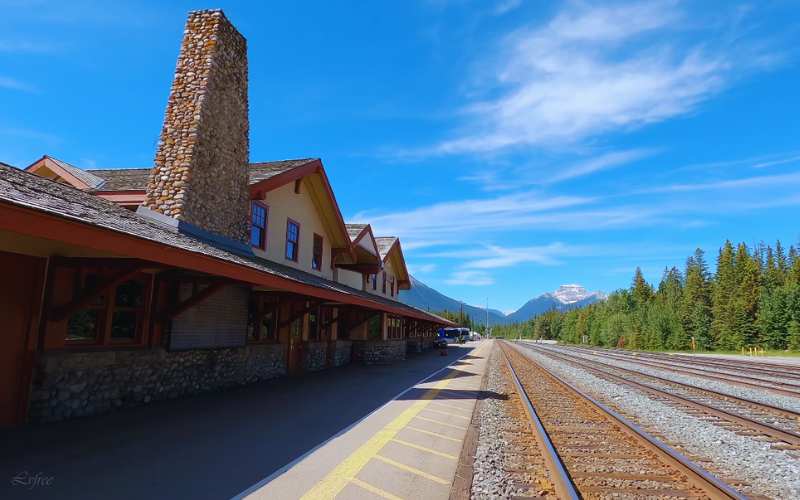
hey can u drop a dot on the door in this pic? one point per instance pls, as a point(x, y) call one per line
point(21, 282)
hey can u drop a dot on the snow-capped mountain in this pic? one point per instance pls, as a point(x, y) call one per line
point(508, 313)
point(565, 297)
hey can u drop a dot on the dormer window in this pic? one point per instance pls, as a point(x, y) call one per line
point(391, 285)
point(292, 239)
point(258, 225)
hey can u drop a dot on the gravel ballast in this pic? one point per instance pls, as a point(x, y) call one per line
point(774, 473)
point(761, 396)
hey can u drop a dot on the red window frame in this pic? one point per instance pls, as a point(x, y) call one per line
point(296, 247)
point(256, 328)
point(391, 285)
point(383, 285)
point(106, 306)
point(316, 257)
point(394, 327)
point(262, 243)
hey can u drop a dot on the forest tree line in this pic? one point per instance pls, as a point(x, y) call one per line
point(752, 299)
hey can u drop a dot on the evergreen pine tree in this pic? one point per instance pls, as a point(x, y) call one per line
point(724, 289)
point(748, 292)
point(636, 341)
point(781, 262)
point(794, 335)
point(701, 327)
point(640, 288)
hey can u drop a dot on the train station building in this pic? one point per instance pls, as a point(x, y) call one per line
point(206, 271)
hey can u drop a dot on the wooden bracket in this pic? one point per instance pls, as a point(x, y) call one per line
point(299, 314)
point(83, 298)
point(189, 303)
point(340, 316)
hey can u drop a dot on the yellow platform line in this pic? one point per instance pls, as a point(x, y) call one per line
point(377, 491)
point(412, 469)
point(433, 434)
point(425, 449)
point(440, 422)
point(451, 406)
point(335, 481)
point(449, 414)
point(459, 401)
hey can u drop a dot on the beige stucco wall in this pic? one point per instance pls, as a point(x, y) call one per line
point(350, 278)
point(284, 204)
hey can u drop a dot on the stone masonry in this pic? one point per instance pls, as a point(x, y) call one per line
point(342, 352)
point(201, 171)
point(379, 352)
point(314, 355)
point(77, 384)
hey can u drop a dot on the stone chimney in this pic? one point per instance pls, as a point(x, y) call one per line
point(202, 167)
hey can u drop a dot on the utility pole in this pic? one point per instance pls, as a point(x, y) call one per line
point(487, 316)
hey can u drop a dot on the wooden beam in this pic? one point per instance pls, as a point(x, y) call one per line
point(299, 314)
point(297, 184)
point(202, 280)
point(189, 303)
point(83, 298)
point(275, 306)
point(340, 316)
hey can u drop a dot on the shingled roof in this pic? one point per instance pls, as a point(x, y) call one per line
point(33, 192)
point(122, 179)
point(385, 244)
point(353, 230)
point(82, 175)
point(135, 179)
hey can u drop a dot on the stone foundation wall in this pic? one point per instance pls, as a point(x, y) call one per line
point(428, 343)
point(379, 352)
point(413, 346)
point(314, 355)
point(342, 352)
point(76, 384)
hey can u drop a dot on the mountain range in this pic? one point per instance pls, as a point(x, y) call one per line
point(565, 297)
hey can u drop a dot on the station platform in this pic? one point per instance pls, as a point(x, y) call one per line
point(219, 445)
point(408, 449)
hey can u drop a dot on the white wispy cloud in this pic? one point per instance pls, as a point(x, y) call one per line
point(473, 278)
point(25, 46)
point(571, 79)
point(11, 83)
point(421, 269)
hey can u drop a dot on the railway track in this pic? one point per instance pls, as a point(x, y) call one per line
point(590, 452)
point(784, 388)
point(747, 365)
point(779, 426)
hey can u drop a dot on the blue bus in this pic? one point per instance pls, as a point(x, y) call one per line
point(452, 335)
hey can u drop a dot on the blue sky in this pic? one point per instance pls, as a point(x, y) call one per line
point(513, 146)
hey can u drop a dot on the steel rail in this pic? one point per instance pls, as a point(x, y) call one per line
point(562, 483)
point(700, 366)
point(784, 370)
point(719, 376)
point(714, 488)
point(769, 429)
